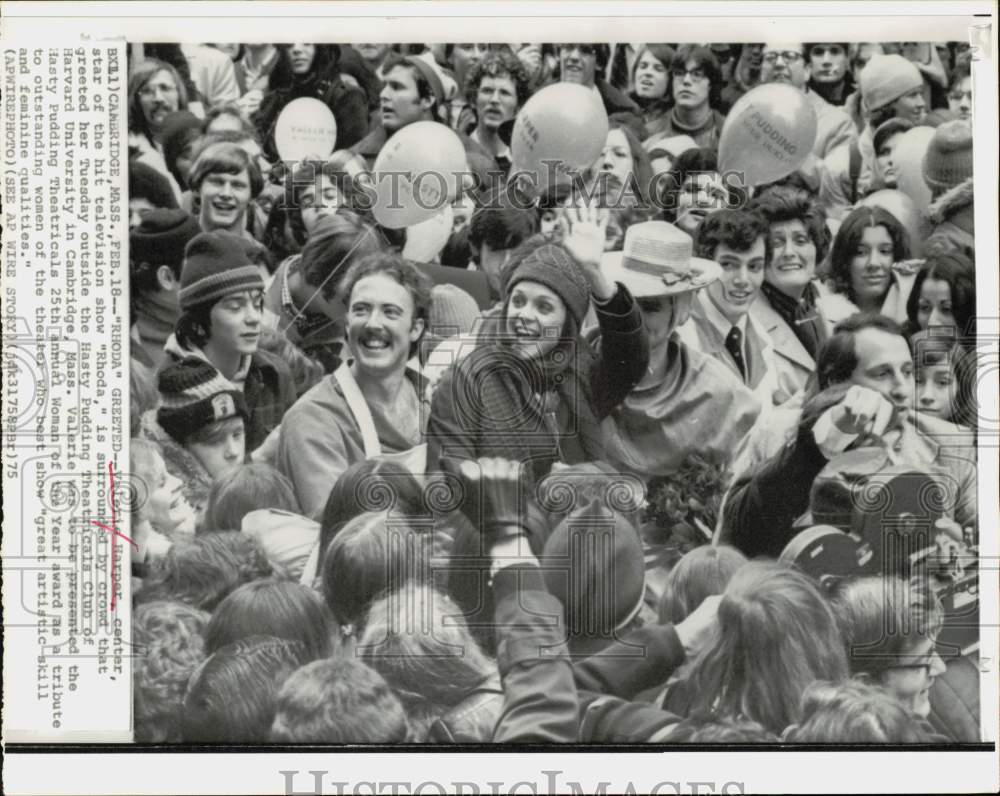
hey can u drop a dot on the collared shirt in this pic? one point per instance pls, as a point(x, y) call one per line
point(723, 325)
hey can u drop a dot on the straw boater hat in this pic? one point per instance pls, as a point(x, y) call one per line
point(656, 261)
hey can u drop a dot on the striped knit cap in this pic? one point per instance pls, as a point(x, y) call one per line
point(215, 265)
point(193, 395)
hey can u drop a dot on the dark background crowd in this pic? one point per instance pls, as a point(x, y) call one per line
point(653, 456)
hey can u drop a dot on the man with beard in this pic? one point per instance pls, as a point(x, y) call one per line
point(373, 401)
point(497, 87)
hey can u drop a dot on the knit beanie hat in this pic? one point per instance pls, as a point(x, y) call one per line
point(593, 563)
point(948, 161)
point(453, 311)
point(215, 265)
point(193, 395)
point(145, 182)
point(886, 78)
point(551, 265)
point(162, 237)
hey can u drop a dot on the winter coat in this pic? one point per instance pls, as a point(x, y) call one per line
point(349, 106)
point(952, 216)
point(687, 402)
point(486, 405)
point(472, 720)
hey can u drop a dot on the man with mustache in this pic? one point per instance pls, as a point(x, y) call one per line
point(373, 404)
point(497, 87)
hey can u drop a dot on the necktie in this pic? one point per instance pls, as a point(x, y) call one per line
point(734, 345)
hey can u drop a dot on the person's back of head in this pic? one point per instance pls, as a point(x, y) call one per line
point(775, 635)
point(167, 637)
point(416, 639)
point(233, 695)
point(854, 712)
point(709, 728)
point(247, 488)
point(283, 609)
point(372, 555)
point(500, 223)
point(338, 701)
point(191, 572)
point(700, 573)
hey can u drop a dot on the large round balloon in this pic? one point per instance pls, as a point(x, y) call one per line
point(768, 133)
point(561, 128)
point(908, 161)
point(905, 211)
point(417, 173)
point(305, 130)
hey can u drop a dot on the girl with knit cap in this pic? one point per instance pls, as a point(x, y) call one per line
point(221, 301)
point(531, 390)
point(200, 426)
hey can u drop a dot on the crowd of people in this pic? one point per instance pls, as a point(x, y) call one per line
point(596, 468)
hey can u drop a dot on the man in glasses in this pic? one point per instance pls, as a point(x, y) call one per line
point(582, 63)
point(790, 63)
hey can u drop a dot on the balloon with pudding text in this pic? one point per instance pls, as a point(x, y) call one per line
point(305, 130)
point(561, 129)
point(768, 134)
point(417, 174)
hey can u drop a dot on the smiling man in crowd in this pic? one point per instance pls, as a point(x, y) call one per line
point(720, 322)
point(225, 179)
point(374, 393)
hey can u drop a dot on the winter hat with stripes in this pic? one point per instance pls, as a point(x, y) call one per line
point(193, 394)
point(215, 265)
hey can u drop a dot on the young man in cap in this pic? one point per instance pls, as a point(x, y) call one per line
point(373, 403)
point(865, 396)
point(687, 401)
point(789, 64)
point(156, 254)
point(221, 301)
point(720, 323)
point(200, 426)
point(891, 88)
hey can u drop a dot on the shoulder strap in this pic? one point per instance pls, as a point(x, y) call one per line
point(854, 169)
point(359, 408)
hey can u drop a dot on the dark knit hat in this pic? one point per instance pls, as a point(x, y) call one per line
point(215, 265)
point(162, 237)
point(193, 395)
point(145, 182)
point(593, 563)
point(551, 265)
point(948, 161)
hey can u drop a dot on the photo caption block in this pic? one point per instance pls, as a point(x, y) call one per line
point(67, 673)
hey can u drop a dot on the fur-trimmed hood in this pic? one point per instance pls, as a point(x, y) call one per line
point(955, 205)
point(180, 462)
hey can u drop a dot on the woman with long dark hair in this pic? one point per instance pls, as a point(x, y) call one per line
point(311, 70)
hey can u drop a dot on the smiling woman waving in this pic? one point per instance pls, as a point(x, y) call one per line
point(531, 390)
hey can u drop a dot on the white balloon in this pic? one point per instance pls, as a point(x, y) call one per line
point(306, 130)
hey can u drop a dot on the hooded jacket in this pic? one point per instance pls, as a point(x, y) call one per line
point(952, 216)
